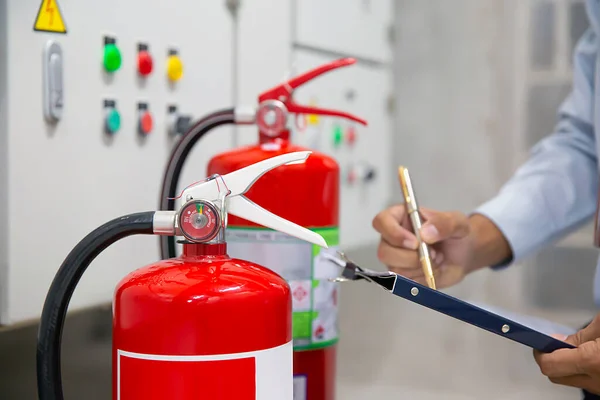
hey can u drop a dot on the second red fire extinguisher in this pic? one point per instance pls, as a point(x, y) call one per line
point(306, 194)
point(199, 326)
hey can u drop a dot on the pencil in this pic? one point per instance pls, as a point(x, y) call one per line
point(412, 208)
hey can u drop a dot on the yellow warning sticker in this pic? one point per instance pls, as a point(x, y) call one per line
point(49, 18)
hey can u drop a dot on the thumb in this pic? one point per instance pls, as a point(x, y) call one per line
point(443, 225)
point(587, 334)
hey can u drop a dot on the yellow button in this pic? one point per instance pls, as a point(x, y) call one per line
point(313, 119)
point(174, 68)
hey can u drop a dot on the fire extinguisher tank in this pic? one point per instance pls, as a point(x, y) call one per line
point(308, 195)
point(200, 320)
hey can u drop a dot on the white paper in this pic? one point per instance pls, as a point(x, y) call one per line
point(538, 324)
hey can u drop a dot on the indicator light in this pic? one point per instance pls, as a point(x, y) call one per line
point(144, 60)
point(337, 135)
point(112, 57)
point(174, 66)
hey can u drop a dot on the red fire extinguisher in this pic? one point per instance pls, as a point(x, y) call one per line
point(199, 326)
point(307, 195)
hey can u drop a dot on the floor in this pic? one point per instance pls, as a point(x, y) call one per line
point(390, 349)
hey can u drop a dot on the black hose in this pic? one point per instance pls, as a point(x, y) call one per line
point(49, 377)
point(176, 163)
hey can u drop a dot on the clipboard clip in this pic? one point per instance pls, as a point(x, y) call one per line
point(352, 272)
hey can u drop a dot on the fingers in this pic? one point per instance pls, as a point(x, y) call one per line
point(589, 333)
point(405, 262)
point(566, 362)
point(578, 381)
point(443, 225)
point(393, 227)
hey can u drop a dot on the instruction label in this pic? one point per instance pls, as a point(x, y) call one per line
point(304, 267)
point(49, 18)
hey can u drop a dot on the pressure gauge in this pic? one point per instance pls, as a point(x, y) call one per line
point(199, 221)
point(271, 117)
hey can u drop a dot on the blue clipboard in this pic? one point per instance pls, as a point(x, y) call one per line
point(451, 306)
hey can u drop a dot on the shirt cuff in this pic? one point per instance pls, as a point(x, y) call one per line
point(498, 210)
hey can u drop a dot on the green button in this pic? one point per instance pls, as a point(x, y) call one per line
point(113, 121)
point(112, 57)
point(337, 135)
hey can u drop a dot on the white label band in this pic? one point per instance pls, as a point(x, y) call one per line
point(258, 375)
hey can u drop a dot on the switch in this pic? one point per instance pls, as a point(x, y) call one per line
point(112, 118)
point(177, 124)
point(145, 121)
point(174, 66)
point(53, 81)
point(337, 135)
point(112, 55)
point(144, 60)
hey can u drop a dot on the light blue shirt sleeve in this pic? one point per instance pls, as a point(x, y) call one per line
point(555, 191)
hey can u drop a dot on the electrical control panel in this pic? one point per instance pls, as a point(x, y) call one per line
point(362, 152)
point(359, 28)
point(92, 100)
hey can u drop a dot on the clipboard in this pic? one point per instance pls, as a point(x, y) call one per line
point(451, 306)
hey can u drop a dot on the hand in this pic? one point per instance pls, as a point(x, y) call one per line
point(447, 233)
point(578, 367)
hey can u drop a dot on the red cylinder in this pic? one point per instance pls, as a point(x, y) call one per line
point(308, 195)
point(202, 326)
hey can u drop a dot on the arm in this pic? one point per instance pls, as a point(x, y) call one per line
point(554, 192)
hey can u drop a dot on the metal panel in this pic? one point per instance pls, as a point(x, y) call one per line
point(66, 179)
point(264, 51)
point(360, 28)
point(363, 91)
point(3, 162)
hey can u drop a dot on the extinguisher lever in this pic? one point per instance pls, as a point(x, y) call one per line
point(298, 109)
point(283, 91)
point(247, 209)
point(235, 184)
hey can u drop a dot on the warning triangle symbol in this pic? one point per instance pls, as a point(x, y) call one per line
point(49, 18)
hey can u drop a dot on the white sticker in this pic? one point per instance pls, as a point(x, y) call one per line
point(307, 271)
point(300, 295)
point(325, 303)
point(300, 387)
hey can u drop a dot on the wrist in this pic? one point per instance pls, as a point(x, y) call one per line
point(487, 243)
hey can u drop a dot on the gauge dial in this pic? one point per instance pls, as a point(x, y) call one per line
point(199, 221)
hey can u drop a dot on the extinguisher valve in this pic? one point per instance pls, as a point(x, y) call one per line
point(276, 103)
point(203, 216)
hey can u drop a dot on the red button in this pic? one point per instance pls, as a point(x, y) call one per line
point(351, 176)
point(351, 135)
point(144, 63)
point(146, 123)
